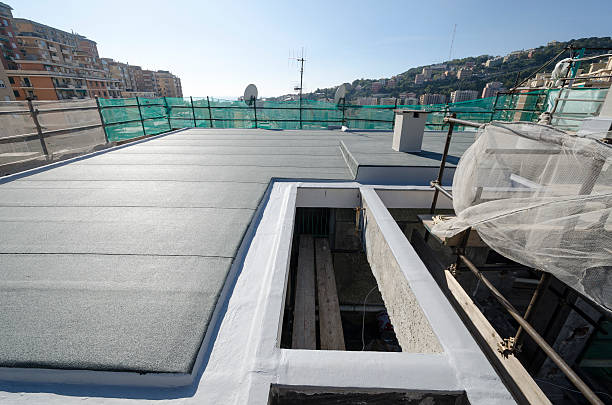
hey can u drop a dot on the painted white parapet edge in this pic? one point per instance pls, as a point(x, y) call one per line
point(241, 356)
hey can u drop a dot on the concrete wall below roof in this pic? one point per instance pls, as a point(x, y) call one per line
point(412, 328)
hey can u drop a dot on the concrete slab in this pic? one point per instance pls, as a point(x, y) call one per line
point(127, 250)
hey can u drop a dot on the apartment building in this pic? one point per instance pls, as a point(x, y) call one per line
point(491, 89)
point(432, 98)
point(46, 63)
point(51, 64)
point(458, 96)
point(6, 93)
point(464, 73)
point(167, 85)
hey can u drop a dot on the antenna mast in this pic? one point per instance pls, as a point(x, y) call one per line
point(450, 52)
point(301, 60)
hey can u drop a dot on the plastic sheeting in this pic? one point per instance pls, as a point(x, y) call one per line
point(542, 198)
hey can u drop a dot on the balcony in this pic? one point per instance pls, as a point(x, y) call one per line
point(52, 49)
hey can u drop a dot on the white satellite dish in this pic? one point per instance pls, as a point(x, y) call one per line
point(340, 94)
point(250, 94)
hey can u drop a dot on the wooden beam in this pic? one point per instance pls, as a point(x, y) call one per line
point(304, 334)
point(330, 322)
point(510, 368)
point(455, 240)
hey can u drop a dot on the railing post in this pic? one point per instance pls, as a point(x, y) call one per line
point(209, 112)
point(34, 115)
point(393, 118)
point(101, 118)
point(167, 113)
point(449, 135)
point(493, 109)
point(255, 111)
point(144, 132)
point(301, 106)
point(343, 110)
point(195, 123)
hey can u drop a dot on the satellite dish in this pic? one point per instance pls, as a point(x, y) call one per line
point(340, 94)
point(250, 94)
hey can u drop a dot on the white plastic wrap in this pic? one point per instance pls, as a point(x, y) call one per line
point(540, 197)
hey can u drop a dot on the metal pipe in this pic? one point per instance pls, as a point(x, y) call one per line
point(255, 112)
point(362, 308)
point(195, 123)
point(543, 284)
point(539, 340)
point(101, 119)
point(144, 132)
point(441, 189)
point(167, 113)
point(34, 115)
point(210, 117)
point(438, 181)
point(454, 120)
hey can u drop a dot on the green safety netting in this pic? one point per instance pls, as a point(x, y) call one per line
point(135, 117)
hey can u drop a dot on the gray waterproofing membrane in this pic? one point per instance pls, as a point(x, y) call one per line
point(116, 261)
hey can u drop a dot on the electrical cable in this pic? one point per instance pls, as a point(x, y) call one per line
point(363, 318)
point(570, 389)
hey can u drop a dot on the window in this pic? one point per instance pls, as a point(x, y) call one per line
point(2, 84)
point(26, 82)
point(11, 80)
point(16, 93)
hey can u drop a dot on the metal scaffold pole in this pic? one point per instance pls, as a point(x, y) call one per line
point(101, 118)
point(210, 117)
point(195, 124)
point(34, 115)
point(167, 113)
point(144, 132)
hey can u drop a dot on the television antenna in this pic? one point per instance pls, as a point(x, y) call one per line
point(300, 59)
point(340, 94)
point(250, 94)
point(450, 52)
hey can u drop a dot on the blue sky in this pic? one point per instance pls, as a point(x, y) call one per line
point(218, 47)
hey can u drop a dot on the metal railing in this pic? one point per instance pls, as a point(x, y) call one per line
point(522, 320)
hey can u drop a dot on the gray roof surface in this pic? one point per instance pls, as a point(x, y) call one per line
point(116, 261)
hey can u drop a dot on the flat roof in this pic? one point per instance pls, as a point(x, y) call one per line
point(115, 261)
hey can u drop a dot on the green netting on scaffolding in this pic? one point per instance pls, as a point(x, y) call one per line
point(134, 117)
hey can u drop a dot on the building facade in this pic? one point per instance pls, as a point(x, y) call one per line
point(430, 98)
point(45, 63)
point(458, 96)
point(491, 89)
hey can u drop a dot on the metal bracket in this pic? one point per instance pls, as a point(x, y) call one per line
point(507, 347)
point(357, 219)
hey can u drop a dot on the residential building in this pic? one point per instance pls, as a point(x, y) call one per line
point(388, 101)
point(51, 64)
point(491, 89)
point(464, 73)
point(376, 86)
point(494, 62)
point(8, 44)
point(458, 96)
point(167, 84)
point(410, 101)
point(46, 63)
point(432, 98)
point(512, 56)
point(419, 78)
point(367, 101)
point(6, 93)
point(407, 95)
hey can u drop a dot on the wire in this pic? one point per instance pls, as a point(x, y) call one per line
point(363, 318)
point(571, 389)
